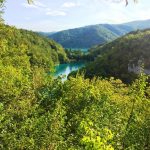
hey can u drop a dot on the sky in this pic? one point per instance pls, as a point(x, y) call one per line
point(56, 15)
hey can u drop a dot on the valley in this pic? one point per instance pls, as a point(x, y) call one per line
point(85, 88)
point(44, 108)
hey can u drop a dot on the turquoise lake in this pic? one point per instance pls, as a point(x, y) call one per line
point(63, 70)
point(85, 50)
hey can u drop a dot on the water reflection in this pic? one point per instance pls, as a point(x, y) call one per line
point(63, 70)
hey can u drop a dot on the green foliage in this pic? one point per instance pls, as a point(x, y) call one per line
point(39, 112)
point(113, 59)
point(93, 139)
point(95, 116)
point(137, 124)
point(1, 10)
point(41, 51)
point(76, 55)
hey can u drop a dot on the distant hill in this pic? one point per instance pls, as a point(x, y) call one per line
point(122, 57)
point(88, 36)
point(139, 24)
point(46, 33)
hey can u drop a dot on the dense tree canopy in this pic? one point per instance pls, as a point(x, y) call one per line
point(42, 51)
point(116, 57)
point(39, 112)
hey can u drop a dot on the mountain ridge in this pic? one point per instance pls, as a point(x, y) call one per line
point(88, 36)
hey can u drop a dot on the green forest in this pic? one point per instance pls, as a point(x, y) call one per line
point(39, 112)
point(112, 59)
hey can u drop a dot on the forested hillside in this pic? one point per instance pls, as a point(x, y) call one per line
point(115, 58)
point(39, 112)
point(86, 37)
point(41, 51)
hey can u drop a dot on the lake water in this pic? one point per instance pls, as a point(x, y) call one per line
point(85, 50)
point(65, 69)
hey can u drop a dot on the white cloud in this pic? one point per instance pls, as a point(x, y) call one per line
point(79, 13)
point(70, 4)
point(36, 4)
point(45, 9)
point(39, 4)
point(56, 13)
point(29, 6)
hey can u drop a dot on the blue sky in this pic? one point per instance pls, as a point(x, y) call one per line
point(55, 15)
